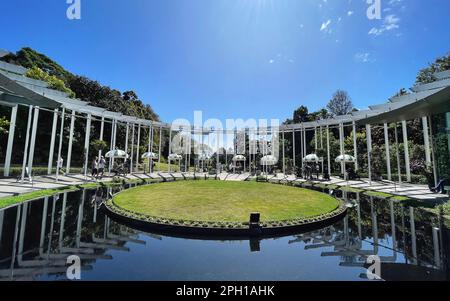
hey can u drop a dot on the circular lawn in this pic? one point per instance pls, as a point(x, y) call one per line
point(217, 201)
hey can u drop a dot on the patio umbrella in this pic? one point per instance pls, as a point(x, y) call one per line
point(149, 155)
point(239, 158)
point(116, 153)
point(175, 157)
point(269, 160)
point(345, 159)
point(204, 157)
point(311, 158)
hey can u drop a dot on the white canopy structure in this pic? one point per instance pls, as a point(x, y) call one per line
point(311, 158)
point(149, 155)
point(345, 158)
point(116, 153)
point(239, 158)
point(175, 157)
point(268, 160)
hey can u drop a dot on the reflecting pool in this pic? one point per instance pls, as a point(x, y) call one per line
point(37, 237)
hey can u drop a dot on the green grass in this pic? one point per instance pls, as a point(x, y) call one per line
point(12, 200)
point(225, 201)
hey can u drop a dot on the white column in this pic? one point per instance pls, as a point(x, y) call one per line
point(33, 141)
point(321, 137)
point(159, 148)
point(328, 151)
point(52, 142)
point(406, 149)
point(61, 135)
point(126, 137)
point(293, 149)
point(341, 147)
point(355, 146)
point(86, 144)
point(9, 148)
point(369, 150)
point(284, 161)
point(132, 148)
point(27, 140)
point(413, 234)
point(102, 126)
point(315, 139)
point(69, 149)
point(398, 156)
point(433, 154)
point(426, 139)
point(137, 147)
point(302, 146)
point(388, 153)
point(170, 149)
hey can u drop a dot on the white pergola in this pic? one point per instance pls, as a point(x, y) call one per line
point(17, 90)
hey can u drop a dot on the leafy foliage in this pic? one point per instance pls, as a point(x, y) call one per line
point(53, 82)
point(4, 123)
point(440, 64)
point(29, 58)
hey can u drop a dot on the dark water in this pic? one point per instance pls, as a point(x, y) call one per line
point(37, 238)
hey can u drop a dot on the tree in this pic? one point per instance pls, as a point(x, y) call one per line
point(426, 75)
point(3, 125)
point(340, 104)
point(52, 81)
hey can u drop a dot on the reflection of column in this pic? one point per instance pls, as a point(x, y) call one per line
point(394, 238)
point(52, 142)
point(23, 226)
point(52, 222)
point(388, 155)
point(80, 219)
point(2, 213)
point(406, 149)
point(9, 147)
point(16, 232)
point(374, 226)
point(437, 253)
point(359, 215)
point(43, 226)
point(63, 219)
point(413, 234)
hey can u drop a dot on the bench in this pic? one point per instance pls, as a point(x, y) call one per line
point(447, 189)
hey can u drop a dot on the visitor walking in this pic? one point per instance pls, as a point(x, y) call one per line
point(60, 164)
point(101, 167)
point(95, 168)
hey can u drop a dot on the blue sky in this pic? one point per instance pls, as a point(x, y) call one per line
point(236, 58)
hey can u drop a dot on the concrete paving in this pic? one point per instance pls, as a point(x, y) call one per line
point(10, 187)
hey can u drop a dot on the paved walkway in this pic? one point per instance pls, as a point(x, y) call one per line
point(9, 187)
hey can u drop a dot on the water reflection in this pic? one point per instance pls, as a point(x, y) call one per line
point(37, 237)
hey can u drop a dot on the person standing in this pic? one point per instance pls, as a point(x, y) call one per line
point(101, 166)
point(95, 168)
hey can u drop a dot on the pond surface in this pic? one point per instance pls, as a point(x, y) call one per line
point(37, 237)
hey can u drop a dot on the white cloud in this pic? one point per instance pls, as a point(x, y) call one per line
point(349, 13)
point(363, 57)
point(325, 25)
point(390, 22)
